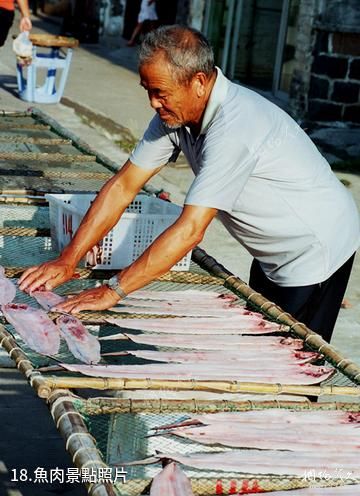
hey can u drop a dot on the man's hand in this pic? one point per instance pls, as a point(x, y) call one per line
point(49, 275)
point(100, 298)
point(25, 24)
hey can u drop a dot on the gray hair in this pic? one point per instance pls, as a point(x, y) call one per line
point(186, 50)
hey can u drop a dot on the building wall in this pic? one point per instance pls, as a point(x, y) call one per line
point(326, 81)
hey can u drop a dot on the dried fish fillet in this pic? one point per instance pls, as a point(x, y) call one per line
point(302, 374)
point(239, 324)
point(272, 462)
point(272, 416)
point(81, 343)
point(7, 288)
point(299, 437)
point(47, 299)
point(171, 481)
point(210, 342)
point(188, 296)
point(34, 326)
point(248, 360)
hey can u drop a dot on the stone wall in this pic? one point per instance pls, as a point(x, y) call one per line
point(335, 78)
point(326, 80)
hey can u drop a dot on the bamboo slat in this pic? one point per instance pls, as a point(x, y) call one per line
point(62, 174)
point(104, 383)
point(45, 157)
point(28, 186)
point(13, 125)
point(110, 405)
point(13, 113)
point(34, 141)
point(22, 200)
point(175, 276)
point(24, 231)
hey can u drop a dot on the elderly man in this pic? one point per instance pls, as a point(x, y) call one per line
point(255, 169)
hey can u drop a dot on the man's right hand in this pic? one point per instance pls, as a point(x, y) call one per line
point(47, 275)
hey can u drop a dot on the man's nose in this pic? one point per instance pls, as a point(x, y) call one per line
point(154, 102)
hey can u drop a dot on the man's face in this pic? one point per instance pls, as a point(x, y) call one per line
point(177, 104)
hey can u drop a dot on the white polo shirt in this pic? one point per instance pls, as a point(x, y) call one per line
point(275, 192)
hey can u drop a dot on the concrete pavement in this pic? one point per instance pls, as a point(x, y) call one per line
point(103, 102)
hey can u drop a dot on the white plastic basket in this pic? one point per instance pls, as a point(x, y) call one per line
point(143, 221)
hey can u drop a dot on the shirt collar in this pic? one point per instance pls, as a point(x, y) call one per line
point(217, 96)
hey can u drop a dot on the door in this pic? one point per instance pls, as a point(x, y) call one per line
point(254, 41)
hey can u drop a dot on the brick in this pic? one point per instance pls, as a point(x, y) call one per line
point(345, 92)
point(355, 69)
point(346, 43)
point(352, 113)
point(334, 67)
point(322, 42)
point(319, 88)
point(324, 111)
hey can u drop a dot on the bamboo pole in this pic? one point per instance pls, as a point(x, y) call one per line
point(110, 405)
point(52, 174)
point(24, 231)
point(311, 338)
point(103, 383)
point(14, 113)
point(79, 443)
point(12, 125)
point(45, 157)
point(31, 140)
point(16, 200)
point(171, 276)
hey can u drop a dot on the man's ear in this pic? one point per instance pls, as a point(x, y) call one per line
point(199, 83)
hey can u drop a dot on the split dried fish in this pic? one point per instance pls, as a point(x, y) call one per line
point(34, 326)
point(302, 374)
point(81, 343)
point(240, 324)
point(171, 481)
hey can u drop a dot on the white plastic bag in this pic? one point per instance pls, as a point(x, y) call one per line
point(22, 46)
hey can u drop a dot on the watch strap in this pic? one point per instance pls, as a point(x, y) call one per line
point(114, 284)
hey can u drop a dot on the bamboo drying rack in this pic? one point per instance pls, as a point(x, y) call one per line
point(45, 385)
point(75, 406)
point(65, 407)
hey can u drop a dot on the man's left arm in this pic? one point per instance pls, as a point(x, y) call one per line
point(170, 247)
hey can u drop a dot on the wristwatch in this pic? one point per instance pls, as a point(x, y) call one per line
point(114, 284)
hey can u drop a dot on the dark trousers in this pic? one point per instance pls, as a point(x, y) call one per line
point(6, 20)
point(317, 305)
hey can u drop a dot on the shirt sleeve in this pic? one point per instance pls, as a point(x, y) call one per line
point(157, 147)
point(226, 165)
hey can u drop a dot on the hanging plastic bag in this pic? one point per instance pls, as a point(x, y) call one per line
point(22, 46)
